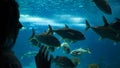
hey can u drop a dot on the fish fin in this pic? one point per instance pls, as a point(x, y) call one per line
point(33, 33)
point(45, 31)
point(87, 26)
point(73, 41)
point(100, 38)
point(88, 51)
point(105, 21)
point(115, 43)
point(57, 47)
point(66, 26)
point(50, 30)
point(22, 56)
point(38, 44)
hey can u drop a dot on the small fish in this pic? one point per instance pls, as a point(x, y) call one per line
point(103, 6)
point(29, 54)
point(93, 65)
point(80, 51)
point(66, 47)
point(67, 33)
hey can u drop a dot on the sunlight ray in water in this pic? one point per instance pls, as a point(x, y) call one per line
point(32, 20)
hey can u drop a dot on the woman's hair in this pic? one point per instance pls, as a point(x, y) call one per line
point(9, 23)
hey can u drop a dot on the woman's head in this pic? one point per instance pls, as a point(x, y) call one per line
point(9, 23)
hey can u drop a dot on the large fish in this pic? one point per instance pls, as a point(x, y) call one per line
point(115, 26)
point(68, 34)
point(104, 31)
point(65, 62)
point(44, 38)
point(103, 6)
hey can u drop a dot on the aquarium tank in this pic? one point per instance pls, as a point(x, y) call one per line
point(88, 31)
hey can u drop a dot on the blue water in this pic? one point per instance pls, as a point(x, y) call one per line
point(40, 13)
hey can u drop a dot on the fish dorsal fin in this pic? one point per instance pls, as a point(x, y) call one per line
point(50, 30)
point(66, 26)
point(45, 31)
point(88, 51)
point(33, 33)
point(87, 26)
point(114, 43)
point(105, 21)
point(100, 38)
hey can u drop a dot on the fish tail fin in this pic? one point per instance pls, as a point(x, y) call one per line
point(87, 26)
point(21, 57)
point(88, 51)
point(105, 21)
point(33, 33)
point(50, 30)
point(66, 26)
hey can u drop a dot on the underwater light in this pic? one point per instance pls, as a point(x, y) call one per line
point(77, 19)
point(32, 20)
point(36, 21)
point(70, 18)
point(81, 25)
point(28, 18)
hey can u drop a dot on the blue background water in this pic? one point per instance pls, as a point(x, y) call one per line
point(40, 13)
